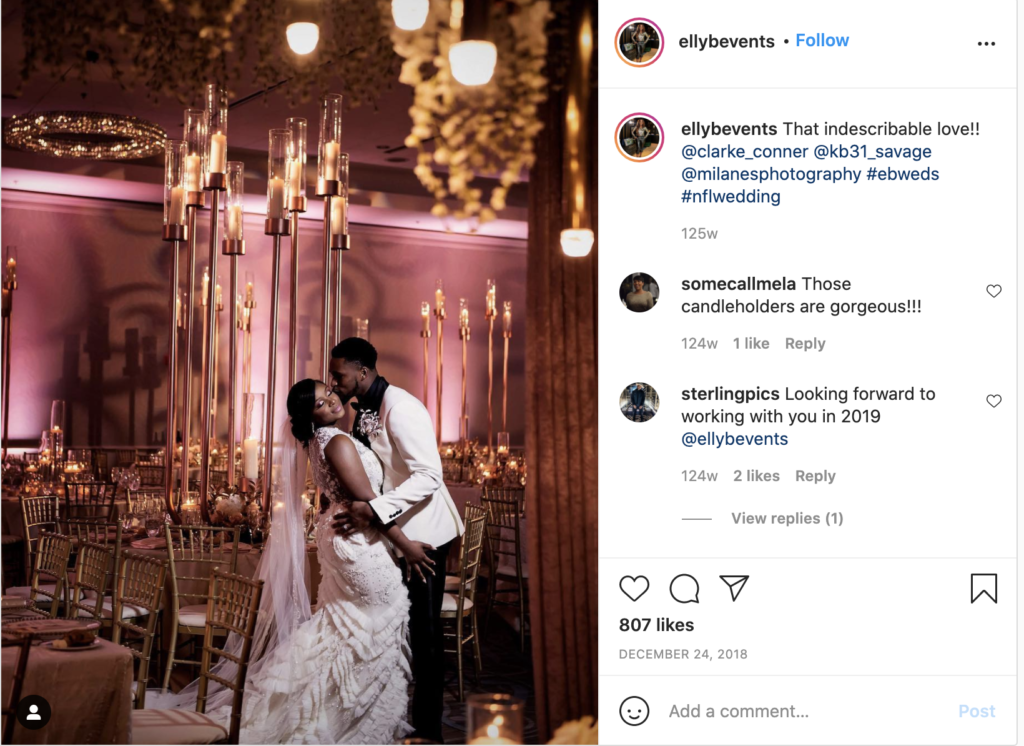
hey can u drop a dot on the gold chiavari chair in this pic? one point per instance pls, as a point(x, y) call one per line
point(232, 606)
point(151, 475)
point(504, 539)
point(138, 594)
point(135, 497)
point(92, 569)
point(458, 610)
point(89, 499)
point(125, 457)
point(49, 576)
point(38, 514)
point(195, 552)
point(10, 708)
point(109, 535)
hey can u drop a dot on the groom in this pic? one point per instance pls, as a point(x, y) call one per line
point(396, 426)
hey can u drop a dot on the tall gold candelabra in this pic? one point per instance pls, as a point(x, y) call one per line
point(439, 312)
point(506, 332)
point(197, 143)
point(175, 232)
point(233, 247)
point(276, 225)
point(10, 284)
point(341, 241)
point(490, 314)
point(329, 186)
point(297, 204)
point(425, 334)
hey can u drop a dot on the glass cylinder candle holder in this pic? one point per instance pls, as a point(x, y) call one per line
point(175, 153)
point(57, 415)
point(328, 167)
point(361, 328)
point(439, 298)
point(297, 128)
point(277, 177)
point(217, 108)
point(503, 446)
point(250, 282)
point(339, 207)
point(463, 315)
point(506, 319)
point(425, 313)
point(197, 140)
point(10, 268)
point(252, 434)
point(492, 299)
point(494, 719)
point(234, 209)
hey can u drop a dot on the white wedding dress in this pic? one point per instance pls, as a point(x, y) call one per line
point(343, 675)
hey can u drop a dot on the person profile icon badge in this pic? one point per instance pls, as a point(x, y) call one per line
point(34, 712)
point(638, 137)
point(638, 42)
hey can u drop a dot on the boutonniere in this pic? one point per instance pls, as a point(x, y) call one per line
point(370, 424)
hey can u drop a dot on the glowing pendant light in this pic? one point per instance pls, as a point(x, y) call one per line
point(410, 15)
point(472, 59)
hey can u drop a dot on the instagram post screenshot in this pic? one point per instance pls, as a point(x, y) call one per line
point(510, 372)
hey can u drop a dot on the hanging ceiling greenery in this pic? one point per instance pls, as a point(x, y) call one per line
point(485, 129)
point(172, 49)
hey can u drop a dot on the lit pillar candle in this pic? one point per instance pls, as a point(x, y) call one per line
point(294, 177)
point(251, 458)
point(464, 316)
point(338, 207)
point(275, 199)
point(12, 270)
point(193, 173)
point(235, 223)
point(332, 150)
point(425, 311)
point(439, 300)
point(218, 153)
point(176, 216)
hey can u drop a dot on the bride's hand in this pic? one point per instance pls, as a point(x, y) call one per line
point(416, 558)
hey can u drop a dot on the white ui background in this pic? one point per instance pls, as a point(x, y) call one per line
point(866, 630)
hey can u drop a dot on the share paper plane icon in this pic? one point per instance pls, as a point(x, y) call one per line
point(735, 583)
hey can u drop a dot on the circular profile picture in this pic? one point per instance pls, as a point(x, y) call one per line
point(639, 292)
point(639, 402)
point(638, 42)
point(638, 137)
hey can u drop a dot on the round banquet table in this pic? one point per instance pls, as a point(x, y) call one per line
point(90, 693)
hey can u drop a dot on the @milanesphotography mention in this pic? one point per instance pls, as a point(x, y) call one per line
point(295, 449)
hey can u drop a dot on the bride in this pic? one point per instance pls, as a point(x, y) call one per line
point(339, 675)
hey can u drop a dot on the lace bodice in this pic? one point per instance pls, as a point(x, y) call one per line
point(323, 473)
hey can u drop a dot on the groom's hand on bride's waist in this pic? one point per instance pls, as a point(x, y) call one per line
point(353, 517)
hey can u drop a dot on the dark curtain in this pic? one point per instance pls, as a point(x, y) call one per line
point(561, 436)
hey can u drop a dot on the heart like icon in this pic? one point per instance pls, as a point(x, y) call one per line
point(634, 587)
point(994, 290)
point(994, 400)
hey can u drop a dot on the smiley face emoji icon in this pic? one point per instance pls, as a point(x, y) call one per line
point(634, 711)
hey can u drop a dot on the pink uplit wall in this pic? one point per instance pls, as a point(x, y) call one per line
point(90, 316)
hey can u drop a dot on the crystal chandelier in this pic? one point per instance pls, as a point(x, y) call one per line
point(85, 134)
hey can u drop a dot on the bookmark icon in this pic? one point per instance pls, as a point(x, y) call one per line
point(735, 583)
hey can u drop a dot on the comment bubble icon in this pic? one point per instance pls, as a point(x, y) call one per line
point(685, 589)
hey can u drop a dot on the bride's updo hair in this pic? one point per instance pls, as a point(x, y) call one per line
point(301, 398)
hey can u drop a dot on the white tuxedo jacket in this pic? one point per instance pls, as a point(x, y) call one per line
point(415, 496)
